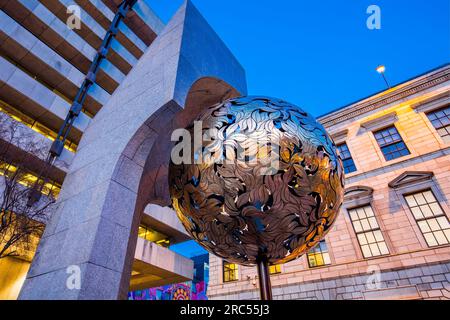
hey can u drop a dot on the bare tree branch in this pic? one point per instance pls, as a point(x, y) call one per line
point(20, 224)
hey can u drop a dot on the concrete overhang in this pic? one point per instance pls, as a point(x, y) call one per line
point(142, 20)
point(154, 266)
point(165, 220)
point(103, 16)
point(36, 18)
point(38, 59)
point(24, 140)
point(35, 100)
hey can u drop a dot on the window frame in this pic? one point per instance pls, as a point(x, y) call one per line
point(405, 190)
point(350, 158)
point(392, 125)
point(236, 270)
point(277, 269)
point(363, 197)
point(379, 228)
point(321, 252)
point(437, 109)
point(427, 218)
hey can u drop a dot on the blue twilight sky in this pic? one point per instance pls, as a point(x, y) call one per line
point(320, 55)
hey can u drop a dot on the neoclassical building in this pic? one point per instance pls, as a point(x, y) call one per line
point(392, 237)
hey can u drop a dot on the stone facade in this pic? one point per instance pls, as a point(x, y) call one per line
point(412, 269)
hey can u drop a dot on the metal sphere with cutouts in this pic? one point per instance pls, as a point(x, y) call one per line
point(264, 181)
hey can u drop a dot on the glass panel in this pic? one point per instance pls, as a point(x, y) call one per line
point(436, 208)
point(440, 237)
point(431, 241)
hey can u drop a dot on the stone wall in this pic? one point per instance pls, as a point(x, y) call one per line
point(421, 282)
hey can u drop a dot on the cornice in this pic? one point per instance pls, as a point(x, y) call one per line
point(384, 98)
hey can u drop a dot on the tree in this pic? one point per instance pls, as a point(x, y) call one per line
point(21, 224)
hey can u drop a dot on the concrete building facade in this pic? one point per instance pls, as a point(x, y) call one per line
point(392, 237)
point(118, 241)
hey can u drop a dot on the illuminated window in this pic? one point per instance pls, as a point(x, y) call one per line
point(368, 232)
point(34, 125)
point(441, 122)
point(230, 272)
point(391, 143)
point(319, 256)
point(347, 160)
point(28, 179)
point(430, 217)
point(148, 234)
point(276, 268)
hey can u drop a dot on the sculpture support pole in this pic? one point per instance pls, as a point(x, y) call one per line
point(265, 288)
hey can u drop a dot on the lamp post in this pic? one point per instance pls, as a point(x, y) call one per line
point(381, 69)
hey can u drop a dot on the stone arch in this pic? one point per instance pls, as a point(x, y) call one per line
point(95, 225)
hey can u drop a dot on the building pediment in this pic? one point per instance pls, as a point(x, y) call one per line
point(340, 136)
point(380, 122)
point(357, 192)
point(410, 177)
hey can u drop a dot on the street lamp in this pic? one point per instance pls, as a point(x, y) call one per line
point(381, 69)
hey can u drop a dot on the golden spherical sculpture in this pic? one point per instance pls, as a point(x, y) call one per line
point(265, 181)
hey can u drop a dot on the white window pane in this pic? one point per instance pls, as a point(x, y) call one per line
point(375, 250)
point(430, 239)
point(383, 248)
point(443, 222)
point(429, 196)
point(358, 227)
point(440, 237)
point(326, 258)
point(378, 235)
point(365, 224)
point(353, 215)
point(411, 201)
point(362, 239)
point(417, 213)
point(361, 213)
point(426, 211)
point(373, 223)
point(366, 251)
point(369, 211)
point(447, 234)
point(433, 224)
point(420, 199)
point(423, 225)
point(370, 237)
point(436, 208)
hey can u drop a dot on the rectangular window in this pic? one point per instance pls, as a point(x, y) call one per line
point(441, 122)
point(391, 143)
point(230, 272)
point(347, 160)
point(368, 232)
point(151, 235)
point(319, 256)
point(430, 217)
point(276, 268)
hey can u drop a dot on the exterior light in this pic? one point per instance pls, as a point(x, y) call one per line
point(381, 69)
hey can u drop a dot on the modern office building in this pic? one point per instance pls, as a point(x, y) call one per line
point(392, 237)
point(43, 63)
